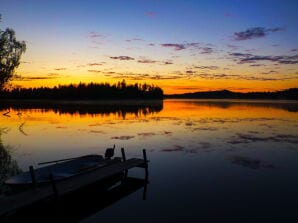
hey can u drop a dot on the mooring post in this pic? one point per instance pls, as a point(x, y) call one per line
point(123, 154)
point(145, 163)
point(124, 159)
point(53, 185)
point(33, 178)
point(145, 190)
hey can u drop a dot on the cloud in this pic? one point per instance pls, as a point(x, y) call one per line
point(95, 35)
point(201, 47)
point(94, 71)
point(134, 39)
point(150, 14)
point(159, 77)
point(122, 58)
point(167, 62)
point(255, 32)
point(151, 44)
point(270, 72)
point(190, 72)
point(136, 76)
point(206, 67)
point(181, 46)
point(53, 74)
point(223, 76)
point(49, 77)
point(146, 61)
point(228, 14)
point(176, 46)
point(232, 47)
point(250, 58)
point(206, 50)
point(122, 137)
point(60, 68)
point(94, 64)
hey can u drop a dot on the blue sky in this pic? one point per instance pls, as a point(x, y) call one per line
point(186, 34)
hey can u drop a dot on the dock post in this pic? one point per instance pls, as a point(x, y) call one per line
point(145, 190)
point(33, 178)
point(123, 154)
point(145, 163)
point(53, 185)
point(124, 159)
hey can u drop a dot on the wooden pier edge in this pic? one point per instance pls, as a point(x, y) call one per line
point(12, 203)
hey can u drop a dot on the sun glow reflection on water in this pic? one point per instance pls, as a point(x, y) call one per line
point(245, 147)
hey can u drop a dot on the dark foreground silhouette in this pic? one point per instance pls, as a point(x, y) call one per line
point(81, 204)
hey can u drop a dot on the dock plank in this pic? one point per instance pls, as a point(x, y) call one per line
point(14, 202)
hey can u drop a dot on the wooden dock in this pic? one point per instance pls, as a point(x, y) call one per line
point(14, 202)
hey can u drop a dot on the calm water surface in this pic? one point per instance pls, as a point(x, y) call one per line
point(210, 161)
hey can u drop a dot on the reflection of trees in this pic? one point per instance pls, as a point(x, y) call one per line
point(8, 166)
point(120, 108)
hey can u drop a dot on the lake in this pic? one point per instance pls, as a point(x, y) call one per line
point(210, 160)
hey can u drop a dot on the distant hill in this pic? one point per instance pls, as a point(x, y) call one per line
point(289, 94)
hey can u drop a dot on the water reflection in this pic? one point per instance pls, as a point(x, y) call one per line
point(285, 105)
point(8, 166)
point(208, 156)
point(121, 108)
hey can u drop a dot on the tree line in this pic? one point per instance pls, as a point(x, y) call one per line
point(82, 91)
point(288, 94)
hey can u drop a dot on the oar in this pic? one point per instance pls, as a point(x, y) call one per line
point(56, 161)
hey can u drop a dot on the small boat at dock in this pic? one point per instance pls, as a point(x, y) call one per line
point(60, 170)
point(63, 178)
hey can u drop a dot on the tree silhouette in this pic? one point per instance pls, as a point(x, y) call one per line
point(91, 91)
point(10, 54)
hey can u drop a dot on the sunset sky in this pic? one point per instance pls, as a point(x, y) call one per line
point(181, 46)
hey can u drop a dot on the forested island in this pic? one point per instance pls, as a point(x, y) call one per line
point(123, 91)
point(288, 94)
point(91, 91)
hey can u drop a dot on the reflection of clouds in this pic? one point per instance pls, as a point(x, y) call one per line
point(61, 127)
point(164, 118)
point(248, 138)
point(266, 125)
point(97, 131)
point(205, 145)
point(95, 124)
point(205, 129)
point(202, 146)
point(146, 134)
point(175, 148)
point(254, 132)
point(188, 123)
point(167, 133)
point(249, 162)
point(122, 137)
